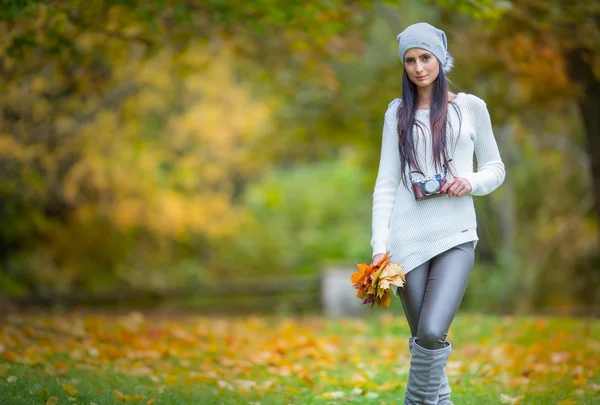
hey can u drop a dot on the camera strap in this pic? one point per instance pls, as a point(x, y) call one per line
point(445, 166)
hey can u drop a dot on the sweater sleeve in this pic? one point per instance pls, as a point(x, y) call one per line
point(386, 183)
point(490, 168)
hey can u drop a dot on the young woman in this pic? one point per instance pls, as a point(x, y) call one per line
point(423, 210)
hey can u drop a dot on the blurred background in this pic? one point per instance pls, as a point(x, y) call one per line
point(221, 155)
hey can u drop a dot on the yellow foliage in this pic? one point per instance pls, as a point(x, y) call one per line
point(171, 379)
point(69, 389)
point(128, 213)
point(179, 179)
point(10, 147)
point(162, 145)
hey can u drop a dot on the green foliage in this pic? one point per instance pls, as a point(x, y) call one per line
point(489, 10)
point(307, 215)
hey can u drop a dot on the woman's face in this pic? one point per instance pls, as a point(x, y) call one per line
point(421, 66)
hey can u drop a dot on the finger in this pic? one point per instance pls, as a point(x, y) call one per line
point(466, 189)
point(459, 191)
point(448, 184)
point(454, 189)
point(459, 186)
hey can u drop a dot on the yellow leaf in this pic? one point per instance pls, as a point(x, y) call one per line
point(151, 401)
point(52, 401)
point(308, 380)
point(119, 396)
point(392, 274)
point(171, 379)
point(507, 399)
point(332, 395)
point(579, 380)
point(69, 389)
point(389, 385)
point(385, 301)
point(371, 289)
point(196, 379)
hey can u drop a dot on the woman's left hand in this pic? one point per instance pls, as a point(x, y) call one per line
point(457, 187)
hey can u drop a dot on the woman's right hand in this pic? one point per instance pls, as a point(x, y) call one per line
point(377, 258)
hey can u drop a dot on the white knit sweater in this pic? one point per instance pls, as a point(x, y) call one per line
point(415, 231)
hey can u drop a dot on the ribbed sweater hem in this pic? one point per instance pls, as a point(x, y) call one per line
point(419, 257)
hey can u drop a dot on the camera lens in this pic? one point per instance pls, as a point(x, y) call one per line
point(431, 186)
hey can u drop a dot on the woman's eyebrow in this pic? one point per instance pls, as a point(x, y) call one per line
point(423, 54)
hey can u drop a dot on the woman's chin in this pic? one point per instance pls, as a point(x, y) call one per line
point(424, 83)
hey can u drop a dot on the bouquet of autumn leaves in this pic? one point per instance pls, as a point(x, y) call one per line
point(373, 283)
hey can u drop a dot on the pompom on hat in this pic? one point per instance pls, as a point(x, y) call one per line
point(426, 36)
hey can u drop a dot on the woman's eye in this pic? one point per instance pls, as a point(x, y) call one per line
point(426, 57)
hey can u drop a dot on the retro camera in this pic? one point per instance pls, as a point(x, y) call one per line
point(424, 187)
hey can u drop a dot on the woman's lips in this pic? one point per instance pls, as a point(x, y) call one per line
point(421, 77)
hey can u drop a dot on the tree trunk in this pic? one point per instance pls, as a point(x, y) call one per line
point(580, 71)
point(508, 256)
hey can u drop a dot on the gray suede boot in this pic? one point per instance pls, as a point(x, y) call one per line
point(444, 392)
point(425, 374)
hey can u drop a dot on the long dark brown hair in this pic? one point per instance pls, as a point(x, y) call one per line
point(440, 126)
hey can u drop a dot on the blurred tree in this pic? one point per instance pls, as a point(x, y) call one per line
point(521, 65)
point(550, 50)
point(564, 36)
point(162, 166)
point(91, 88)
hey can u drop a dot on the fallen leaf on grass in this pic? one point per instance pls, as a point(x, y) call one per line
point(69, 389)
point(225, 385)
point(120, 397)
point(171, 379)
point(52, 401)
point(258, 354)
point(308, 380)
point(389, 386)
point(197, 379)
point(507, 399)
point(332, 395)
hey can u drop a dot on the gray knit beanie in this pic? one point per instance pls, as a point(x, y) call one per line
point(426, 36)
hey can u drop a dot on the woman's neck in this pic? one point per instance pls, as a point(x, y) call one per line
point(424, 100)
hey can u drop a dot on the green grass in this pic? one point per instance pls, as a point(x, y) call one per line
point(279, 360)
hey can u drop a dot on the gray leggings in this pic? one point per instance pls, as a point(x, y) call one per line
point(433, 292)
